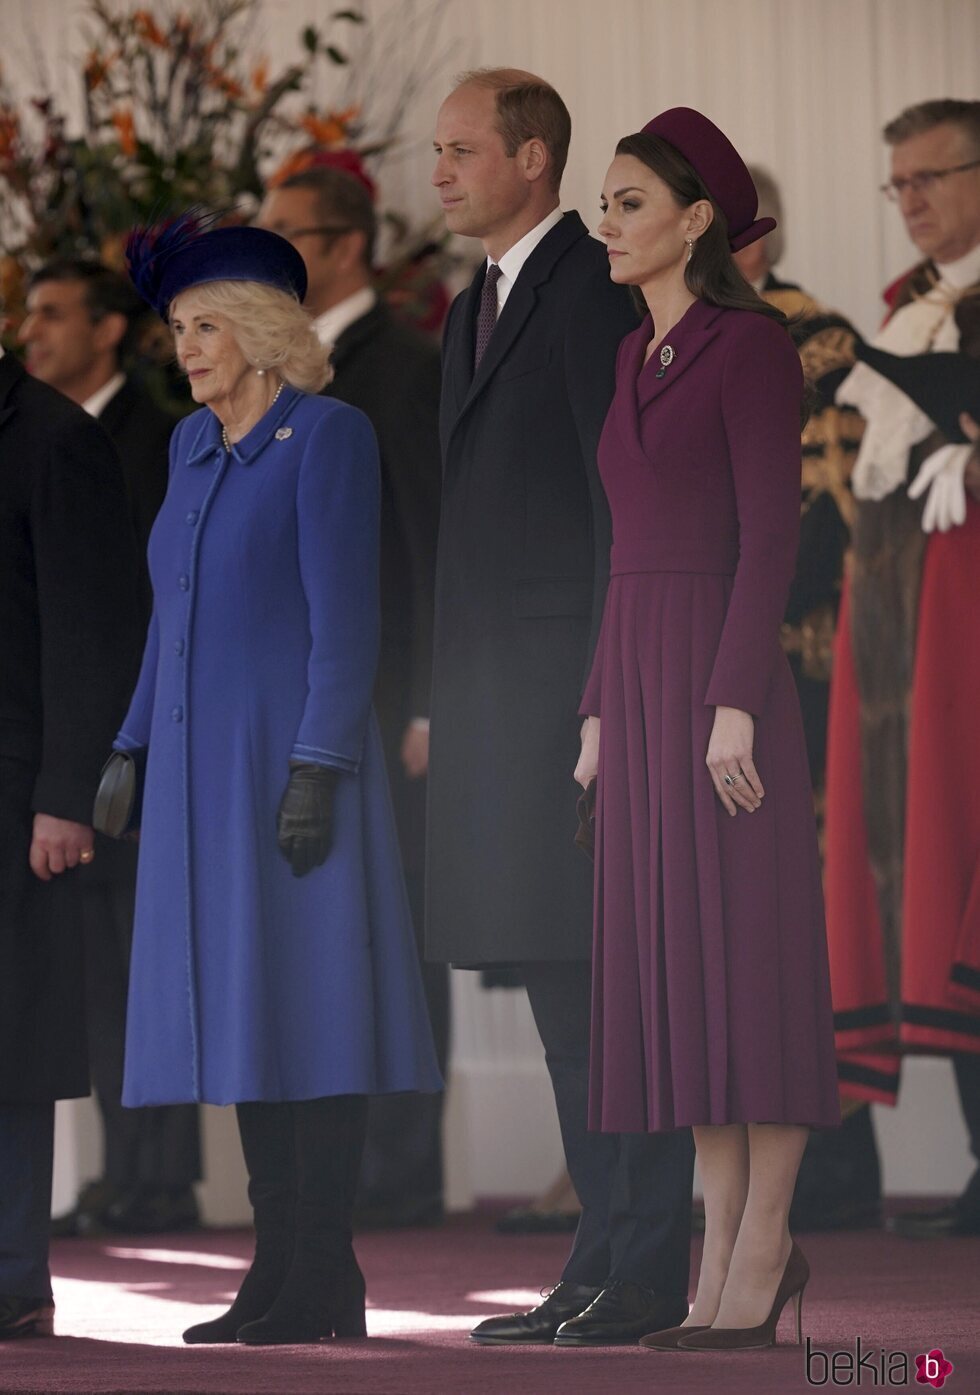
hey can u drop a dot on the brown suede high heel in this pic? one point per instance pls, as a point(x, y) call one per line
point(668, 1339)
point(791, 1285)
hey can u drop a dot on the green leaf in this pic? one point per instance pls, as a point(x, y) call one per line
point(335, 55)
point(311, 39)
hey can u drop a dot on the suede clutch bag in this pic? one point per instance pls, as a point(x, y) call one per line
point(119, 798)
point(585, 808)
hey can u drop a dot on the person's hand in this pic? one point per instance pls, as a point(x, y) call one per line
point(58, 844)
point(730, 753)
point(943, 475)
point(588, 762)
point(971, 476)
point(304, 824)
point(415, 751)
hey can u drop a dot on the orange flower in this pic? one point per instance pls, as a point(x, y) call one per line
point(126, 131)
point(330, 129)
point(9, 133)
point(146, 27)
point(96, 70)
point(296, 163)
point(260, 75)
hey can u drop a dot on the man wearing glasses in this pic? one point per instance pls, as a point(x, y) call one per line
point(903, 774)
point(392, 374)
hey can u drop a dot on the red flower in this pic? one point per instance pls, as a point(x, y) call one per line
point(310, 157)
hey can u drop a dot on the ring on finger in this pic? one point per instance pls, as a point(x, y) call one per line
point(731, 780)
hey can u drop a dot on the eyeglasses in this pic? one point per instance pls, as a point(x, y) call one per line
point(922, 182)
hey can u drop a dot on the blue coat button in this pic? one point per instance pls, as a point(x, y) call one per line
point(178, 646)
point(183, 582)
point(177, 714)
point(193, 516)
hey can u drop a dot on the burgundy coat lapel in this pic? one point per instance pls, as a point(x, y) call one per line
point(693, 331)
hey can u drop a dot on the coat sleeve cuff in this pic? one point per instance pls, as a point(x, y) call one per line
point(333, 759)
point(64, 798)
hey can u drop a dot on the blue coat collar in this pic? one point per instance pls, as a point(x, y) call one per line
point(208, 438)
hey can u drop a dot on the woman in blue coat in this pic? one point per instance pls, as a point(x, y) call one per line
point(274, 964)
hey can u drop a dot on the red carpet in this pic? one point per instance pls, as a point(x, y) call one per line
point(121, 1308)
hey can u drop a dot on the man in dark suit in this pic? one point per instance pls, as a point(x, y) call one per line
point(392, 374)
point(81, 319)
point(69, 635)
point(523, 561)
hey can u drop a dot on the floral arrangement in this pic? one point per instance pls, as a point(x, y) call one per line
point(179, 109)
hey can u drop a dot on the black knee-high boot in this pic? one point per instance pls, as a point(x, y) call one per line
point(323, 1293)
point(270, 1157)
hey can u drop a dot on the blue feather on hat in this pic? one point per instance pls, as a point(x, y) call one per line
point(188, 248)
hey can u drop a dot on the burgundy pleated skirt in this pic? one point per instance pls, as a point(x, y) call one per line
point(711, 989)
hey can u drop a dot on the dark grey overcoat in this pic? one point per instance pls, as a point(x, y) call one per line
point(69, 640)
point(522, 566)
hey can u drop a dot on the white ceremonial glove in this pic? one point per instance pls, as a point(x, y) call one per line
point(942, 475)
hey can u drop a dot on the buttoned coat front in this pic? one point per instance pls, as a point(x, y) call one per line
point(522, 563)
point(247, 982)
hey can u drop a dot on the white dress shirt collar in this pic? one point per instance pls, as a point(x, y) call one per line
point(514, 258)
point(965, 271)
point(97, 403)
point(331, 324)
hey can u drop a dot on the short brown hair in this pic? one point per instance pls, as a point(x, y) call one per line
point(915, 121)
point(341, 197)
point(528, 108)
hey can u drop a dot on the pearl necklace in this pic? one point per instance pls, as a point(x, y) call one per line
point(224, 430)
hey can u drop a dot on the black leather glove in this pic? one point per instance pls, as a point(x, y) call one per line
point(304, 824)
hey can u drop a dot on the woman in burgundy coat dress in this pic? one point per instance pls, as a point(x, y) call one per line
point(711, 998)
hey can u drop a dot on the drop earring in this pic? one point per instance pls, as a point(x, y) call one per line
point(690, 247)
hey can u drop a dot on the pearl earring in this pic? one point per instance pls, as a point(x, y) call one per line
point(260, 372)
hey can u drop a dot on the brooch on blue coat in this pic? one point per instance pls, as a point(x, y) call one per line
point(284, 433)
point(666, 359)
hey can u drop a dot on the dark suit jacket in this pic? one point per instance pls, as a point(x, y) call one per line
point(141, 432)
point(522, 566)
point(392, 374)
point(70, 641)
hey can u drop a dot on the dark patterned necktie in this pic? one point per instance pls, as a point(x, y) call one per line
point(487, 318)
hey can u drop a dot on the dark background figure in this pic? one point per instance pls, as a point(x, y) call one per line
point(81, 322)
point(391, 372)
point(830, 442)
point(69, 635)
point(522, 565)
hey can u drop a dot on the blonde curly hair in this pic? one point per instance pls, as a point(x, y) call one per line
point(271, 328)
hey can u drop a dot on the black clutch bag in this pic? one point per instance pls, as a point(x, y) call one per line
point(585, 808)
point(119, 798)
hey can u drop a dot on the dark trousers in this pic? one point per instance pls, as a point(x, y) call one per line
point(635, 1189)
point(153, 1147)
point(402, 1166)
point(26, 1166)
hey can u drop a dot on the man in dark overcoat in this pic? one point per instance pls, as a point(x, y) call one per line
point(81, 323)
point(391, 372)
point(69, 635)
point(523, 560)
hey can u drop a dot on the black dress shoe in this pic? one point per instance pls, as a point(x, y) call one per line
point(539, 1324)
point(25, 1317)
point(947, 1222)
point(86, 1219)
point(620, 1316)
point(153, 1211)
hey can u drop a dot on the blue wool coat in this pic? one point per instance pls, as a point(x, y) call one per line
point(248, 983)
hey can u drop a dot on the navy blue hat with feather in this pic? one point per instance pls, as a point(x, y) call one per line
point(165, 259)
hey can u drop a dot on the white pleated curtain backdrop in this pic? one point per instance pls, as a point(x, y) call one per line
point(802, 87)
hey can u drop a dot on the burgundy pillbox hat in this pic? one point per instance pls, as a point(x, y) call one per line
point(721, 168)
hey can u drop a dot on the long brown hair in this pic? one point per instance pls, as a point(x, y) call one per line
point(711, 273)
